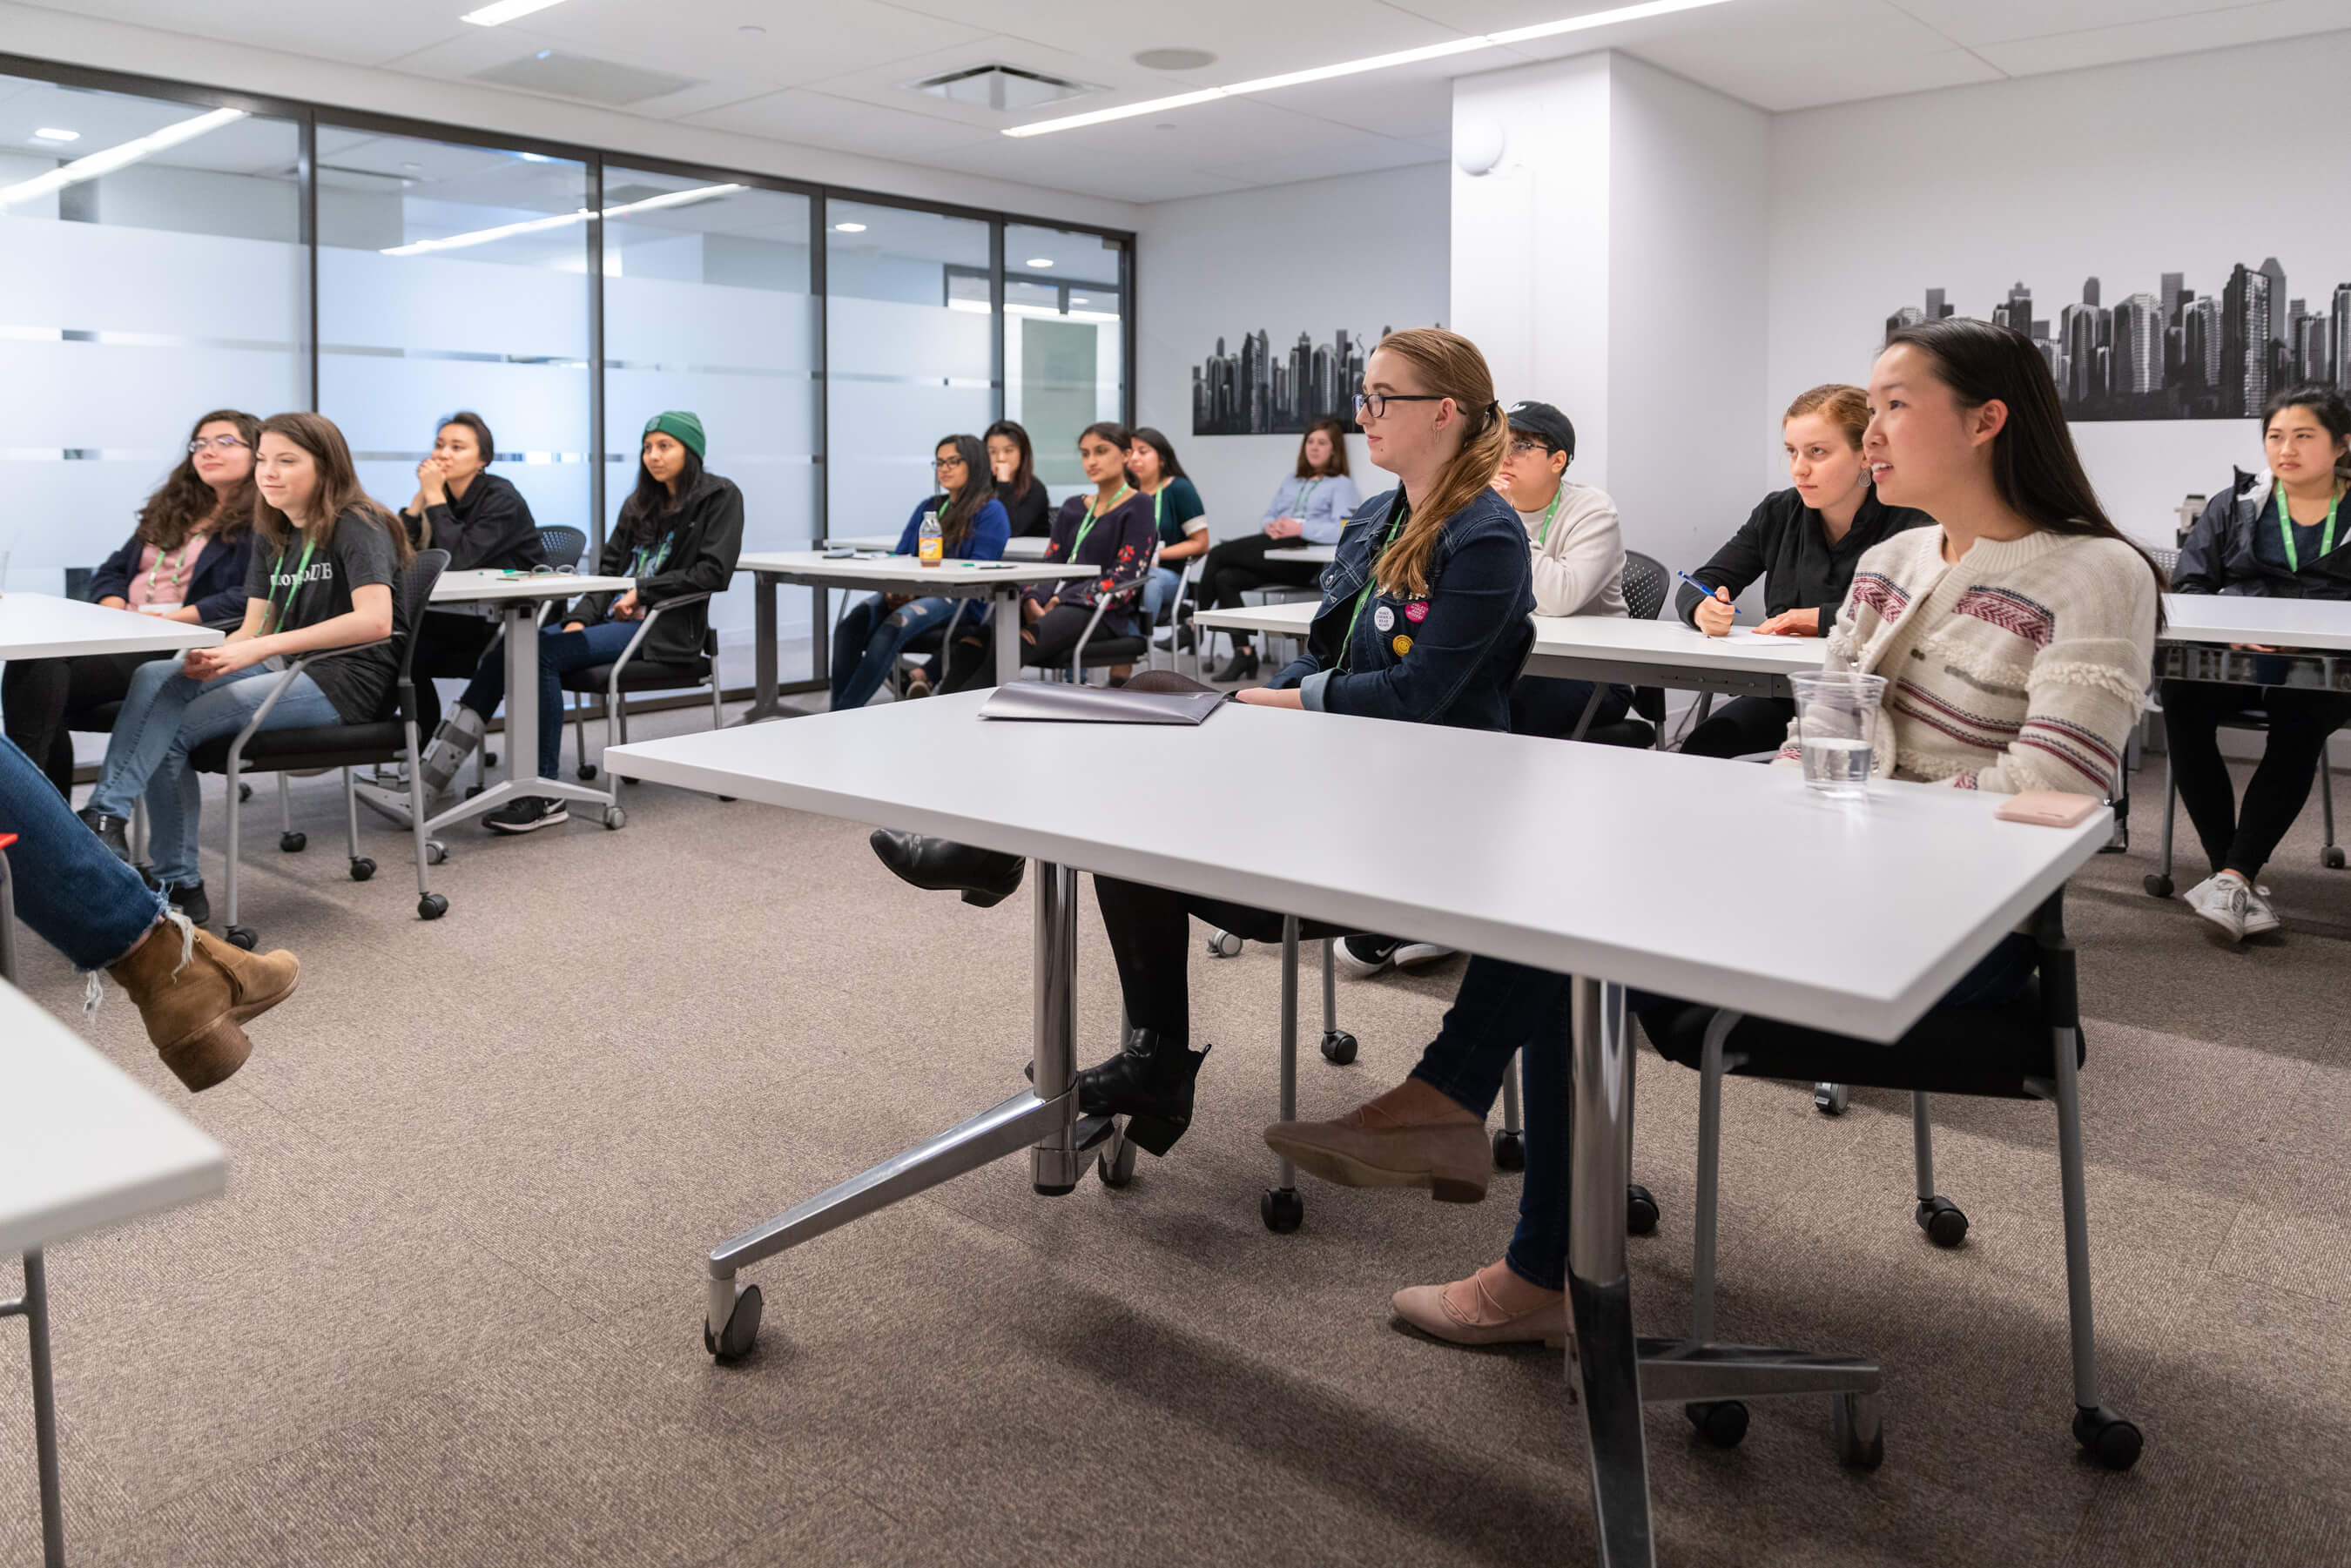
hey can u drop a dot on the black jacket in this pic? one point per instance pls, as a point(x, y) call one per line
point(489, 524)
point(1031, 514)
point(1782, 542)
point(703, 538)
point(2218, 556)
point(217, 586)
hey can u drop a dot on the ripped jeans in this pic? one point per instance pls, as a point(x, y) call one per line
point(868, 639)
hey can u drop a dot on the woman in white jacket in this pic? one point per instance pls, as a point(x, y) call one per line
point(1579, 562)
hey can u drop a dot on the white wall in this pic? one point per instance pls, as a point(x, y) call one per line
point(2189, 165)
point(1361, 251)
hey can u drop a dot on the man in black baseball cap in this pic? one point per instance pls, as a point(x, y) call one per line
point(1546, 424)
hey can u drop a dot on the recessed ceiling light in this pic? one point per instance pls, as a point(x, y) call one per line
point(1039, 261)
point(752, 30)
point(849, 228)
point(505, 11)
point(51, 134)
point(1461, 45)
point(1079, 300)
point(1175, 60)
point(534, 158)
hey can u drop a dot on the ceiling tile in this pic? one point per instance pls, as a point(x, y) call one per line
point(347, 30)
point(2170, 35)
point(797, 44)
point(1973, 22)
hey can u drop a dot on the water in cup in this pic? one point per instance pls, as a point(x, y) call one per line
point(1838, 767)
point(1836, 730)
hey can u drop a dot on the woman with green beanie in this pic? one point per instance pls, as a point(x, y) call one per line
point(679, 532)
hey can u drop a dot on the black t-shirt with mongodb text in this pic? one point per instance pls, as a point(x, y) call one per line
point(302, 594)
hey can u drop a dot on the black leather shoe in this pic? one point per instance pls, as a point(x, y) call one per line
point(1241, 666)
point(1149, 1083)
point(112, 832)
point(190, 900)
point(984, 877)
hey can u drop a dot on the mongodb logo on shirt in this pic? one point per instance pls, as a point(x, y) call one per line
point(320, 572)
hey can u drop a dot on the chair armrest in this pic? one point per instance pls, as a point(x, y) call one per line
point(653, 614)
point(1126, 590)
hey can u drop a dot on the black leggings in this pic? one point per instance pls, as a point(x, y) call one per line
point(972, 659)
point(1238, 565)
point(450, 645)
point(44, 696)
point(1742, 725)
point(2300, 721)
point(1151, 936)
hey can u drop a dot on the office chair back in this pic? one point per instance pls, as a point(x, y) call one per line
point(1646, 578)
point(564, 546)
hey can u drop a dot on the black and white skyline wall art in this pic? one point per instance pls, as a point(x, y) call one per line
point(2174, 353)
point(1260, 390)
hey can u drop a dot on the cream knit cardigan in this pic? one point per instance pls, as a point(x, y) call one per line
point(2023, 666)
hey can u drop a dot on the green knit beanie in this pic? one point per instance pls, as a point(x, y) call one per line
point(686, 426)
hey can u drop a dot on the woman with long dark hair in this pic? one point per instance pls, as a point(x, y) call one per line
point(679, 532)
point(2014, 639)
point(874, 631)
point(2274, 537)
point(1178, 517)
point(1309, 507)
point(1012, 463)
point(483, 522)
point(185, 562)
point(324, 575)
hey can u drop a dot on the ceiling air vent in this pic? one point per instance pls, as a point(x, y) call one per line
point(999, 87)
point(592, 81)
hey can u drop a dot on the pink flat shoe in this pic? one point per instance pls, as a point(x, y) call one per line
point(1492, 1306)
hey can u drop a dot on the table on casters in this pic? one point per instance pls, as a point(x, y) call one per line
point(1634, 826)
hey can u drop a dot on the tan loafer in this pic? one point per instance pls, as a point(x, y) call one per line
point(1452, 1159)
point(1492, 1306)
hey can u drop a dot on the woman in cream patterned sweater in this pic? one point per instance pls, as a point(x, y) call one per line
point(2015, 637)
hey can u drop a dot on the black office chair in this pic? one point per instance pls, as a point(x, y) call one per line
point(1646, 581)
point(2030, 1049)
point(631, 674)
point(389, 737)
point(1094, 651)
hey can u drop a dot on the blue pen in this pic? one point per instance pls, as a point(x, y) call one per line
point(1694, 582)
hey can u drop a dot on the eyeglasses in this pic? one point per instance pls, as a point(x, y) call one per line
point(545, 571)
point(1374, 406)
point(942, 463)
point(1524, 445)
point(219, 443)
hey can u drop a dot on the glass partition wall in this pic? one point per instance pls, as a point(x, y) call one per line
point(169, 249)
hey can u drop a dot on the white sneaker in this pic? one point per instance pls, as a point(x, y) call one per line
point(2260, 918)
point(1420, 953)
point(2224, 901)
point(1365, 954)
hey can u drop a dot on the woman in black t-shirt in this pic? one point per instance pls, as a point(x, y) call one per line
point(1013, 462)
point(325, 574)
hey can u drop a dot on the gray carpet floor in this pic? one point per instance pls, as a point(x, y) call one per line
point(449, 1310)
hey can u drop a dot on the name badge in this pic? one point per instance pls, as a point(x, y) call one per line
point(1383, 618)
point(158, 607)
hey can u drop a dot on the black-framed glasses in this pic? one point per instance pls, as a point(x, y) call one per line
point(940, 465)
point(218, 443)
point(1525, 444)
point(1373, 405)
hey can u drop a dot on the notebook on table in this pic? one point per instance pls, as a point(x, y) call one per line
point(1157, 696)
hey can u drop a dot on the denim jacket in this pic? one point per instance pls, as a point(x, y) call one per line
point(1447, 657)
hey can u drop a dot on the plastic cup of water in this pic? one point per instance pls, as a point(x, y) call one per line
point(1836, 730)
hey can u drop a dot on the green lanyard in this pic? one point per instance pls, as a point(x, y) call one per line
point(1159, 500)
point(2285, 530)
point(1549, 513)
point(275, 613)
point(1298, 507)
point(1088, 526)
point(161, 560)
point(1371, 578)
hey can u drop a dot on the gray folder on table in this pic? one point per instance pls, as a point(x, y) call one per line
point(1099, 705)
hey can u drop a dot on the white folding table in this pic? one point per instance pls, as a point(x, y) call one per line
point(2210, 637)
point(999, 583)
point(81, 1147)
point(1026, 547)
point(1595, 896)
point(43, 626)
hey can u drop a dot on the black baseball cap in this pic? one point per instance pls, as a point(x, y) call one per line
point(1546, 424)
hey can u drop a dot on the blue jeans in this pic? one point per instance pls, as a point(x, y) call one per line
point(1505, 1008)
point(166, 717)
point(868, 641)
point(560, 653)
point(67, 885)
point(1159, 591)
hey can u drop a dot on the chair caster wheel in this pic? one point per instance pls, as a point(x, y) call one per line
point(1338, 1048)
point(243, 793)
point(2158, 885)
point(1640, 1210)
point(1223, 945)
point(587, 771)
point(2108, 1438)
point(362, 868)
point(1509, 1152)
point(733, 1341)
point(431, 906)
point(293, 843)
point(1115, 1163)
point(615, 819)
point(1831, 1099)
point(1721, 1422)
point(1856, 1426)
point(1940, 1219)
point(2333, 858)
point(1282, 1209)
point(435, 852)
point(241, 937)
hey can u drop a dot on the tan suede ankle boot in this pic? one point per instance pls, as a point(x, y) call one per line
point(194, 992)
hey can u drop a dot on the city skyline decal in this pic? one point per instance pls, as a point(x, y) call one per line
point(2171, 353)
point(1253, 394)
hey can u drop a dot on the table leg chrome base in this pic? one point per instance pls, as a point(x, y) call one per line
point(1608, 1385)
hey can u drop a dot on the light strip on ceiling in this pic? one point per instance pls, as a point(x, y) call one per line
point(560, 220)
point(1369, 63)
point(108, 160)
point(505, 11)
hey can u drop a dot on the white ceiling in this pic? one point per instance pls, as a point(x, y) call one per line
point(832, 75)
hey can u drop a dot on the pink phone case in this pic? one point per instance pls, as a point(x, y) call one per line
point(2050, 808)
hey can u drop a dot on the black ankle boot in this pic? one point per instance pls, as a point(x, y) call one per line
point(1149, 1083)
point(1241, 666)
point(110, 831)
point(984, 877)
